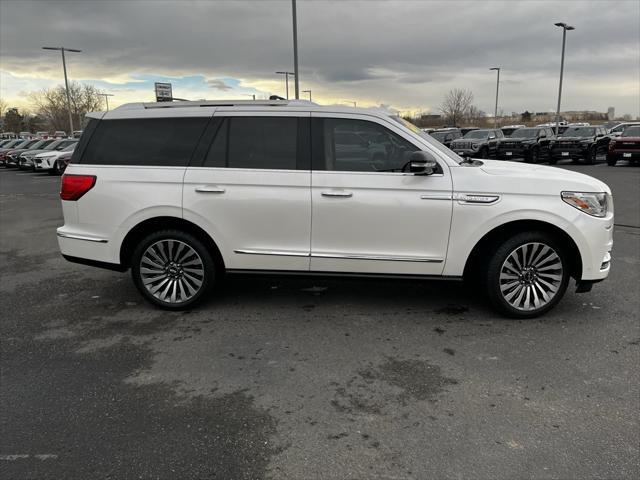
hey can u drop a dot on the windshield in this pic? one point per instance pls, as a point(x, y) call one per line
point(580, 132)
point(477, 134)
point(39, 144)
point(70, 148)
point(28, 143)
point(428, 138)
point(631, 132)
point(525, 133)
point(440, 136)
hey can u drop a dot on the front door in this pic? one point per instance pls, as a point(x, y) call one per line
point(366, 217)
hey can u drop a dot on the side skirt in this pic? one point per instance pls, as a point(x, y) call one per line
point(293, 273)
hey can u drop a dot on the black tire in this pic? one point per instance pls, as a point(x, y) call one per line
point(553, 161)
point(529, 279)
point(534, 155)
point(177, 281)
point(57, 168)
point(590, 157)
point(611, 161)
point(484, 153)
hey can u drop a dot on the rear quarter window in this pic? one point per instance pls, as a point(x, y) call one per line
point(163, 142)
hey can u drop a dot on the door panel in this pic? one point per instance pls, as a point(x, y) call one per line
point(260, 218)
point(379, 222)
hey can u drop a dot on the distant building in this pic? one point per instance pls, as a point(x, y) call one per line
point(611, 113)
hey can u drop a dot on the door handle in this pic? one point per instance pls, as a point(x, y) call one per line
point(210, 189)
point(337, 194)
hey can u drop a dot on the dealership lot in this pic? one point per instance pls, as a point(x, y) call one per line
point(284, 378)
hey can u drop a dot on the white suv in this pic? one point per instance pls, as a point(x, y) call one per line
point(183, 192)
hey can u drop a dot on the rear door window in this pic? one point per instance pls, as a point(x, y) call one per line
point(256, 142)
point(162, 142)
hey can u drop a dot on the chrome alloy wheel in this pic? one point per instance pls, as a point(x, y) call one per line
point(171, 271)
point(531, 276)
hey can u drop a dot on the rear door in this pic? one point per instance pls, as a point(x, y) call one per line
point(366, 219)
point(251, 190)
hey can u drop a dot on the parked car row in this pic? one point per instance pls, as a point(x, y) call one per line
point(50, 155)
point(541, 144)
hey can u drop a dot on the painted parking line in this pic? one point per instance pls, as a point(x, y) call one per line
point(21, 456)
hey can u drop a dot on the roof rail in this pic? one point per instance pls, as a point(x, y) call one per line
point(227, 103)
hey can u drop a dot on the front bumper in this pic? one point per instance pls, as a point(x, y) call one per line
point(512, 151)
point(569, 151)
point(43, 163)
point(622, 155)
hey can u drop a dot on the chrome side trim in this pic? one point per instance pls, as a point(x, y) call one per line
point(436, 197)
point(354, 256)
point(351, 256)
point(283, 253)
point(82, 237)
point(477, 198)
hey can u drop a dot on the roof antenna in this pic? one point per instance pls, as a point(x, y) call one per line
point(276, 97)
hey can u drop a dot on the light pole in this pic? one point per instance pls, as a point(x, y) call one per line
point(495, 114)
point(565, 27)
point(250, 95)
point(66, 82)
point(309, 92)
point(286, 79)
point(350, 101)
point(295, 47)
point(106, 98)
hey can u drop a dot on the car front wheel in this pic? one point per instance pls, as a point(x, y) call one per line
point(173, 269)
point(611, 161)
point(527, 275)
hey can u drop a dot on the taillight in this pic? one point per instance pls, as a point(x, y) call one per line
point(75, 186)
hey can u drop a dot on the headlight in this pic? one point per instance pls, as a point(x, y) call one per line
point(594, 204)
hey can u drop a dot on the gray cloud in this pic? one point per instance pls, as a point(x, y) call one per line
point(218, 84)
point(406, 53)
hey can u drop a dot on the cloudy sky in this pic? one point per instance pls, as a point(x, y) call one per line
point(406, 54)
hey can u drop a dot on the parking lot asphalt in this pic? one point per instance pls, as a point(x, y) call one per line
point(303, 379)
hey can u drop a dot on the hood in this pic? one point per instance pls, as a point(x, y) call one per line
point(539, 179)
point(573, 139)
point(35, 152)
point(518, 139)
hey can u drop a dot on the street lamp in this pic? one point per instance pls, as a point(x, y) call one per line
point(295, 47)
point(106, 98)
point(350, 101)
point(495, 115)
point(250, 95)
point(66, 82)
point(286, 79)
point(564, 27)
point(309, 92)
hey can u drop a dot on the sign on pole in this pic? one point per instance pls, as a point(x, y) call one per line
point(163, 92)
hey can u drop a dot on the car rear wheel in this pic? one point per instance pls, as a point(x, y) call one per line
point(527, 275)
point(611, 161)
point(173, 269)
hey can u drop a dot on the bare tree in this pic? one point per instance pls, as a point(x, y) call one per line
point(51, 104)
point(474, 115)
point(3, 106)
point(456, 105)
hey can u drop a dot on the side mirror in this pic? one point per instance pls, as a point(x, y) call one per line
point(422, 163)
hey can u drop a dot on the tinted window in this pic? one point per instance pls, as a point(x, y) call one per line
point(361, 146)
point(149, 141)
point(255, 142)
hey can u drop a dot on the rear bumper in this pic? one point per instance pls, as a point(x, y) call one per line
point(95, 263)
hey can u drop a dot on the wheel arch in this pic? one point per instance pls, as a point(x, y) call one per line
point(150, 225)
point(479, 253)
